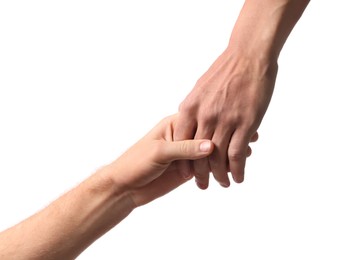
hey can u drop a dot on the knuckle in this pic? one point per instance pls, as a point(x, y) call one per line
point(236, 155)
point(188, 106)
point(184, 148)
point(166, 120)
point(181, 107)
point(201, 175)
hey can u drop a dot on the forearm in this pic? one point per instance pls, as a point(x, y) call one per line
point(70, 224)
point(263, 26)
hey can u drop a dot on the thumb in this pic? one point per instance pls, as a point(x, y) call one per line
point(187, 150)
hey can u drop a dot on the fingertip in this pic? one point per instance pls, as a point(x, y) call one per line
point(225, 185)
point(202, 186)
point(254, 138)
point(238, 178)
point(248, 152)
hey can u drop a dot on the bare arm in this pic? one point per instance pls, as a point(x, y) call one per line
point(68, 225)
point(229, 101)
point(263, 26)
point(71, 223)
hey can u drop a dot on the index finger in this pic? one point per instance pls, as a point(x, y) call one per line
point(184, 128)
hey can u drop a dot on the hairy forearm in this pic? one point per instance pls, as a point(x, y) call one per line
point(70, 224)
point(263, 26)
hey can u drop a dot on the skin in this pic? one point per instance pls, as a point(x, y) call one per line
point(226, 106)
point(145, 172)
point(229, 101)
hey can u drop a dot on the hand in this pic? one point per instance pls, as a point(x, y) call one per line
point(149, 169)
point(226, 106)
point(143, 173)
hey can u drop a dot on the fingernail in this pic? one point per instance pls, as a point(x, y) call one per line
point(205, 146)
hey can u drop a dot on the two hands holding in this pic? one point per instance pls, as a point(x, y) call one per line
point(211, 133)
point(209, 136)
point(155, 162)
point(148, 170)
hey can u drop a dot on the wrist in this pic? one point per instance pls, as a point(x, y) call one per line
point(99, 206)
point(253, 54)
point(103, 185)
point(254, 41)
point(253, 64)
point(254, 48)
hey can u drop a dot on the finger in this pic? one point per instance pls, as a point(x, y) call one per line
point(218, 159)
point(184, 129)
point(248, 154)
point(237, 155)
point(186, 150)
point(248, 151)
point(201, 166)
point(254, 137)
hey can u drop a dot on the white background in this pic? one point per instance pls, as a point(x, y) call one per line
point(80, 81)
